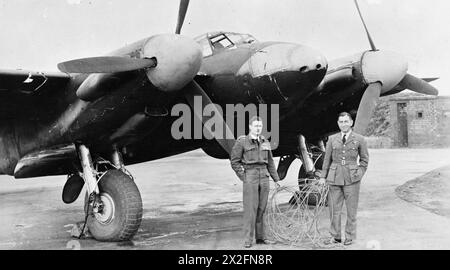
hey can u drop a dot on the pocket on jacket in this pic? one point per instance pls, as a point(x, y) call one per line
point(332, 173)
point(354, 173)
point(250, 153)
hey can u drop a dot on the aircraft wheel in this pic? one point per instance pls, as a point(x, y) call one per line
point(121, 213)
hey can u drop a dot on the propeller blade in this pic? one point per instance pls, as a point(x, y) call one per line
point(418, 85)
point(367, 107)
point(372, 44)
point(181, 14)
point(105, 64)
point(400, 88)
point(192, 90)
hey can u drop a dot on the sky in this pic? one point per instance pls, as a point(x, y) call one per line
point(38, 34)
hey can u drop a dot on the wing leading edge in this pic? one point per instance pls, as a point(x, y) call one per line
point(29, 82)
point(22, 89)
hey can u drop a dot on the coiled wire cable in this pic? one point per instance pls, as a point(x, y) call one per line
point(295, 221)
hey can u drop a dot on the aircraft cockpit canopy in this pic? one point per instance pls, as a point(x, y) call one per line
point(218, 41)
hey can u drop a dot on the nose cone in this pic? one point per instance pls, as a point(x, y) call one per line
point(386, 67)
point(178, 60)
point(307, 59)
point(280, 57)
point(294, 69)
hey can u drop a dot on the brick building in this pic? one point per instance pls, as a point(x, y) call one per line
point(419, 121)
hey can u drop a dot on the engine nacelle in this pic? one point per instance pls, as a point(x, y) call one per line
point(96, 85)
point(178, 60)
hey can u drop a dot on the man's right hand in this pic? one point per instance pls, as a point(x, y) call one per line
point(322, 181)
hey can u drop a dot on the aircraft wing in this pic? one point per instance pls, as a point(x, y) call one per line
point(29, 82)
point(339, 91)
point(17, 86)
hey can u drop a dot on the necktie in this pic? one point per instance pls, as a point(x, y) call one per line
point(255, 141)
point(344, 139)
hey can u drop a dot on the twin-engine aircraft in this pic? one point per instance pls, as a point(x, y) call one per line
point(100, 114)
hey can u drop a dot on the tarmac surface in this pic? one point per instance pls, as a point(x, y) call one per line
point(192, 201)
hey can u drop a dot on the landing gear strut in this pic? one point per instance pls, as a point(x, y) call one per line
point(311, 157)
point(113, 204)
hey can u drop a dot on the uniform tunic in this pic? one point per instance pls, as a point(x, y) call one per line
point(344, 174)
point(253, 163)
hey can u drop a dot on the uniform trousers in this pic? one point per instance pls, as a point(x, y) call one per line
point(336, 197)
point(256, 189)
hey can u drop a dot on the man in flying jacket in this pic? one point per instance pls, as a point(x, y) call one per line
point(252, 160)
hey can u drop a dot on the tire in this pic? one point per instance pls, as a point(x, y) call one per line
point(122, 214)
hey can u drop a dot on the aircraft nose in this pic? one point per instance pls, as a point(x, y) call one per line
point(307, 59)
point(283, 57)
point(293, 70)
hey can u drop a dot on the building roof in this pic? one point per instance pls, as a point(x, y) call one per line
point(416, 97)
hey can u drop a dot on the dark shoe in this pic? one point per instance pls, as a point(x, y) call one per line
point(264, 242)
point(332, 241)
point(247, 245)
point(348, 242)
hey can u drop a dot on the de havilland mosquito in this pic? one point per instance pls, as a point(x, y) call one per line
point(100, 114)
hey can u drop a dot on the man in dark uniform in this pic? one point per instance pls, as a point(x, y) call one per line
point(343, 174)
point(251, 159)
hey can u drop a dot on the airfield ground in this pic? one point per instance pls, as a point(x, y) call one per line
point(192, 201)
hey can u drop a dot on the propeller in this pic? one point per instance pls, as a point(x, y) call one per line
point(384, 72)
point(105, 64)
point(184, 4)
point(192, 90)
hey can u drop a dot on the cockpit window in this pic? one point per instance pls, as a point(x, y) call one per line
point(221, 42)
point(218, 41)
point(241, 38)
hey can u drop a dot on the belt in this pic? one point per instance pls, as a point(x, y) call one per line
point(345, 162)
point(255, 166)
